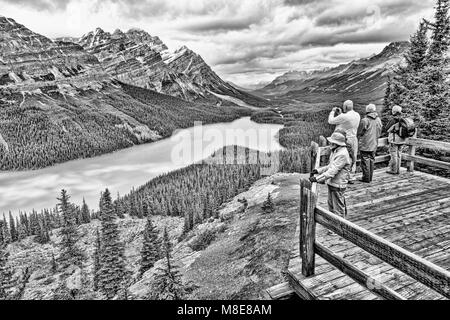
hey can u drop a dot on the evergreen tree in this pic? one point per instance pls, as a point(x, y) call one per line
point(168, 284)
point(151, 247)
point(43, 234)
point(440, 39)
point(97, 265)
point(21, 230)
point(12, 227)
point(118, 207)
point(145, 210)
point(416, 56)
point(6, 232)
point(85, 213)
point(112, 271)
point(268, 205)
point(7, 280)
point(70, 253)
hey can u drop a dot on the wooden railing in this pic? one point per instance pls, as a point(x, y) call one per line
point(416, 267)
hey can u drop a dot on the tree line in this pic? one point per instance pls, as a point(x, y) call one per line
point(51, 127)
point(421, 86)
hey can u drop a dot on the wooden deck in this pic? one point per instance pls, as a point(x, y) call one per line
point(411, 210)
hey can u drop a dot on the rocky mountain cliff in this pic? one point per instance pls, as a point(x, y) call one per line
point(30, 61)
point(58, 102)
point(363, 80)
point(137, 58)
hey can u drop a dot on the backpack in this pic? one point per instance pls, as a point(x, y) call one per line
point(407, 128)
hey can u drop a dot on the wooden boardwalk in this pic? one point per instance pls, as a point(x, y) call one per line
point(411, 210)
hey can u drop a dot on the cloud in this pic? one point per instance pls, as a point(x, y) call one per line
point(240, 39)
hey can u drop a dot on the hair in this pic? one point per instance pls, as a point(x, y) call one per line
point(348, 105)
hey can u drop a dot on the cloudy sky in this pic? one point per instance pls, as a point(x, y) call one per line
point(245, 41)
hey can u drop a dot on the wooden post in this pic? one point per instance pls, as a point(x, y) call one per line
point(307, 228)
point(412, 152)
point(314, 155)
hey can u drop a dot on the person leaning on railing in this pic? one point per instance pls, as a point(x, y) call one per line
point(336, 174)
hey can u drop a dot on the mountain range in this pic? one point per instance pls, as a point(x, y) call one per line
point(61, 100)
point(363, 80)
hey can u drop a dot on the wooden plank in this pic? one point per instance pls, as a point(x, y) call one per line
point(429, 144)
point(418, 268)
point(360, 277)
point(307, 228)
point(296, 284)
point(282, 291)
point(426, 161)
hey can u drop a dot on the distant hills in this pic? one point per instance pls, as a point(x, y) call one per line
point(363, 80)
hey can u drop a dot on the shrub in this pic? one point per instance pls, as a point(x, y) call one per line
point(203, 240)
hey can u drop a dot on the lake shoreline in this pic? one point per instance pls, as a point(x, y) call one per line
point(120, 171)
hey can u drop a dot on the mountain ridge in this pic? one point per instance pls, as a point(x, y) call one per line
point(365, 77)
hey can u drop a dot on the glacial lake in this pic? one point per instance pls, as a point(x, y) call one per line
point(129, 168)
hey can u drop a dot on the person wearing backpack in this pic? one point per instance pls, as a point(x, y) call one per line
point(336, 174)
point(369, 132)
point(396, 141)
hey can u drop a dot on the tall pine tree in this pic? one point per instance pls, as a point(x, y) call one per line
point(85, 213)
point(71, 254)
point(112, 271)
point(168, 283)
point(96, 258)
point(151, 248)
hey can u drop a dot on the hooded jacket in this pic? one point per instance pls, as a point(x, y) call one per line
point(369, 132)
point(337, 173)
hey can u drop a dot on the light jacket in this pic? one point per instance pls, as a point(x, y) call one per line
point(337, 173)
point(347, 122)
point(369, 132)
point(393, 127)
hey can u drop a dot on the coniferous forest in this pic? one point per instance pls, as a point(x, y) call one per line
point(93, 124)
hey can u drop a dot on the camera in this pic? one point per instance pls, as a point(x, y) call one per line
point(337, 112)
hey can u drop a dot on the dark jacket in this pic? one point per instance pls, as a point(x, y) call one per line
point(393, 128)
point(369, 132)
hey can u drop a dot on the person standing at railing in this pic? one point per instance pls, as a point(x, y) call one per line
point(369, 132)
point(396, 142)
point(347, 121)
point(336, 174)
